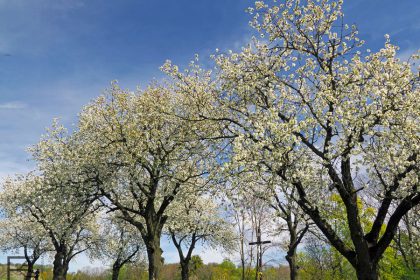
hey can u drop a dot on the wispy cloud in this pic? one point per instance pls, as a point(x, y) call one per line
point(407, 53)
point(12, 105)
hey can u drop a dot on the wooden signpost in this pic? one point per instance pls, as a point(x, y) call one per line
point(259, 244)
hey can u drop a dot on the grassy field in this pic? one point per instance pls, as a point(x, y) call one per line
point(15, 275)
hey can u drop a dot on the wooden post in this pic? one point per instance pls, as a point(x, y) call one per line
point(259, 244)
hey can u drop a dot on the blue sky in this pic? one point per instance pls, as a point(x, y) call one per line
point(56, 55)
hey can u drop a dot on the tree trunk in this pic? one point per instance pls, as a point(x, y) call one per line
point(185, 270)
point(367, 272)
point(240, 220)
point(293, 242)
point(60, 267)
point(30, 271)
point(242, 253)
point(154, 255)
point(31, 260)
point(291, 259)
point(116, 270)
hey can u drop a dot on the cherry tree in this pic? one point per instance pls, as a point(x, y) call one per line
point(141, 154)
point(273, 205)
point(311, 105)
point(237, 212)
point(54, 197)
point(69, 225)
point(197, 220)
point(119, 242)
point(20, 233)
point(282, 198)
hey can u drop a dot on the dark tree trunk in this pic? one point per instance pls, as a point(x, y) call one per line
point(116, 270)
point(154, 255)
point(31, 260)
point(291, 259)
point(30, 271)
point(60, 266)
point(286, 210)
point(185, 259)
point(185, 270)
point(151, 232)
point(365, 265)
point(291, 253)
point(367, 273)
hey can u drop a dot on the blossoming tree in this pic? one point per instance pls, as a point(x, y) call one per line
point(196, 220)
point(276, 203)
point(68, 224)
point(54, 197)
point(119, 242)
point(308, 106)
point(18, 232)
point(141, 154)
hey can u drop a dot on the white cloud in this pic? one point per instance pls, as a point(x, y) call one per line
point(211, 255)
point(12, 105)
point(406, 54)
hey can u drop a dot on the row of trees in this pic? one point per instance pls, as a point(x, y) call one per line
point(100, 234)
point(138, 271)
point(306, 121)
